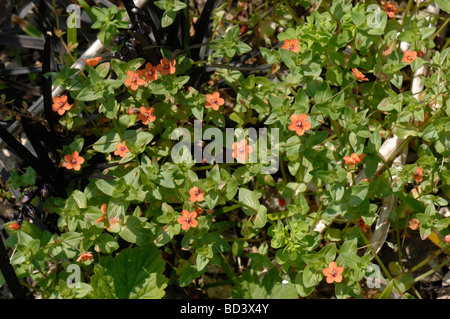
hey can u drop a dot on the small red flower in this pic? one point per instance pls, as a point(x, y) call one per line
point(165, 66)
point(131, 110)
point(103, 209)
point(14, 226)
point(299, 124)
point(409, 56)
point(214, 100)
point(187, 219)
point(133, 80)
point(92, 61)
point(121, 149)
point(390, 9)
point(146, 115)
point(358, 75)
point(354, 159)
point(60, 104)
point(291, 45)
point(363, 225)
point(414, 224)
point(197, 195)
point(149, 73)
point(85, 256)
point(333, 272)
point(242, 150)
point(418, 177)
point(73, 161)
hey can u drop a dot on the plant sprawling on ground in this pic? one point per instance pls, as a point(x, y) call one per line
point(128, 188)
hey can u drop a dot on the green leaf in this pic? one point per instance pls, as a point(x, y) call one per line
point(80, 198)
point(272, 286)
point(249, 198)
point(135, 231)
point(443, 5)
point(358, 194)
point(387, 291)
point(134, 273)
point(106, 243)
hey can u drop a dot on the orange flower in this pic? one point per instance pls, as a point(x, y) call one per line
point(299, 124)
point(149, 73)
point(133, 80)
point(333, 272)
point(166, 66)
point(60, 104)
point(92, 61)
point(390, 9)
point(418, 175)
point(121, 149)
point(146, 115)
point(85, 256)
point(73, 161)
point(409, 56)
point(358, 75)
point(103, 209)
point(363, 225)
point(214, 100)
point(291, 45)
point(196, 194)
point(187, 219)
point(131, 110)
point(242, 150)
point(414, 224)
point(354, 158)
point(14, 226)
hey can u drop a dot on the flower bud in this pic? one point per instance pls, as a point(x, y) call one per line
point(45, 190)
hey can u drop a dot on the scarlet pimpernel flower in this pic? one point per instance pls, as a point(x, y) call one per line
point(85, 256)
point(333, 272)
point(149, 73)
point(299, 124)
point(197, 195)
point(73, 161)
point(414, 224)
point(14, 226)
point(133, 80)
point(291, 45)
point(60, 104)
point(241, 150)
point(363, 225)
point(187, 219)
point(390, 9)
point(214, 100)
point(418, 177)
point(92, 61)
point(354, 159)
point(166, 67)
point(358, 75)
point(146, 115)
point(409, 56)
point(121, 149)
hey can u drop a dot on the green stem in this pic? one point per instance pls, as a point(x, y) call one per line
point(428, 273)
point(425, 261)
point(374, 254)
point(440, 29)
